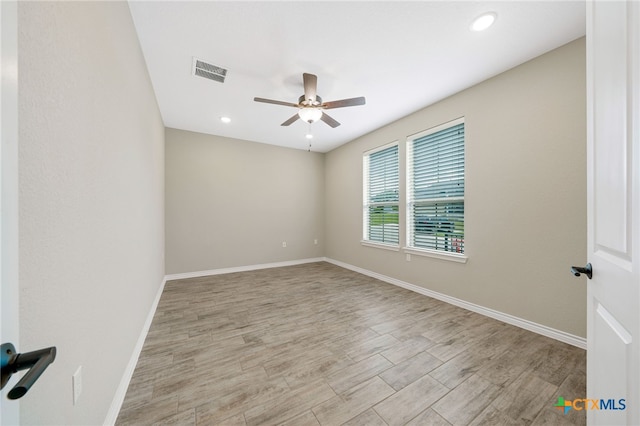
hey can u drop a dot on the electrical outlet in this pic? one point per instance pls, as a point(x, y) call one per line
point(408, 257)
point(284, 244)
point(76, 383)
point(315, 241)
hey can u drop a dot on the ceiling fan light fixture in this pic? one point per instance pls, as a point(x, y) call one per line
point(310, 115)
point(483, 21)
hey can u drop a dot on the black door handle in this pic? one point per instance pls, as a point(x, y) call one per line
point(587, 270)
point(12, 362)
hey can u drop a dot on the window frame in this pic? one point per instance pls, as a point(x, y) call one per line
point(410, 201)
point(366, 203)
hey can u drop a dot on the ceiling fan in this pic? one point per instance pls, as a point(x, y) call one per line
point(310, 105)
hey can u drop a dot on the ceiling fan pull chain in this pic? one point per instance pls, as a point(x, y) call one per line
point(309, 136)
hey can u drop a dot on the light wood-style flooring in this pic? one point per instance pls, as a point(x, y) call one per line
point(318, 344)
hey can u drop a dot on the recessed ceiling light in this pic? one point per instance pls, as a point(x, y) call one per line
point(225, 120)
point(483, 21)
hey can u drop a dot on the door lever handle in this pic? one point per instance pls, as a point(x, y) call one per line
point(12, 362)
point(587, 270)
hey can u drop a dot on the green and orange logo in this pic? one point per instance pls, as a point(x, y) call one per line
point(580, 404)
point(563, 405)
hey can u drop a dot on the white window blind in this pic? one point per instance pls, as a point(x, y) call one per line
point(381, 198)
point(435, 207)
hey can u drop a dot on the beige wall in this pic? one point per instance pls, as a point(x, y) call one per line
point(232, 203)
point(91, 231)
point(525, 194)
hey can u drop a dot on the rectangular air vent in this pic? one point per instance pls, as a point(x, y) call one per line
point(206, 70)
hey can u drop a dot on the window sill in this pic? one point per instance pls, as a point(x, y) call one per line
point(451, 257)
point(391, 247)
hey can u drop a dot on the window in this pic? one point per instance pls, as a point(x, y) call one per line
point(381, 195)
point(435, 183)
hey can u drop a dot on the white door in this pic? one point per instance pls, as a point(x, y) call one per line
point(9, 410)
point(613, 194)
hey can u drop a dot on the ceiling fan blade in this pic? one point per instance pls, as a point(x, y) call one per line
point(330, 121)
point(310, 86)
point(344, 103)
point(291, 120)
point(271, 101)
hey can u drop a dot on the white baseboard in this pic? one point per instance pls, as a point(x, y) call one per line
point(562, 336)
point(121, 392)
point(241, 268)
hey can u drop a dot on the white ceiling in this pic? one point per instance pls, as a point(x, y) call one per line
point(402, 56)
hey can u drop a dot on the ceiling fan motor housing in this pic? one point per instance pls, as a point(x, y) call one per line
point(303, 102)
